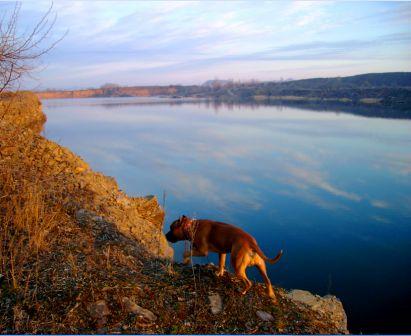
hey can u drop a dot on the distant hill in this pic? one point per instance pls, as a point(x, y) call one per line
point(371, 80)
point(383, 89)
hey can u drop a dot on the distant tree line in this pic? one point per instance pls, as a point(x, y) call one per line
point(386, 89)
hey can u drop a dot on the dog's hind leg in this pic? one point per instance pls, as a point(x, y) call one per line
point(242, 275)
point(221, 265)
point(259, 262)
point(240, 262)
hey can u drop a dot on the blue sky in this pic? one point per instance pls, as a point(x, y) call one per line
point(160, 43)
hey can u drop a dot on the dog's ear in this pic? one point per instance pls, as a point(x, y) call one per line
point(182, 219)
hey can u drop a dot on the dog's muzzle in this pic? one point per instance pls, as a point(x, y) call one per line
point(170, 237)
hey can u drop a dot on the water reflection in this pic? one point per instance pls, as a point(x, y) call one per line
point(331, 189)
point(227, 105)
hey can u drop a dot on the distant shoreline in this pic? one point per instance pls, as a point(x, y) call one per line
point(369, 109)
point(389, 91)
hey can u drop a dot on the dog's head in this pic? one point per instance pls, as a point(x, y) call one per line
point(177, 232)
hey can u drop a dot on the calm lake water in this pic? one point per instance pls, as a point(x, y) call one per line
point(332, 190)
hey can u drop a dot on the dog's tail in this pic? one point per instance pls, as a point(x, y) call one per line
point(272, 261)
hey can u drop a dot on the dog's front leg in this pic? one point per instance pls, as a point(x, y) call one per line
point(221, 266)
point(193, 253)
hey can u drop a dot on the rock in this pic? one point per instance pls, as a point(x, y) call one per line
point(81, 215)
point(98, 309)
point(264, 316)
point(99, 312)
point(129, 305)
point(134, 308)
point(327, 305)
point(216, 304)
point(97, 219)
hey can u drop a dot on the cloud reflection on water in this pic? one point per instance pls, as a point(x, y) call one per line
point(234, 157)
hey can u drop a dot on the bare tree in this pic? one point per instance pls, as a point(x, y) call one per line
point(20, 52)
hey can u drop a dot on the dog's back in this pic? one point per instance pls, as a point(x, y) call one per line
point(222, 236)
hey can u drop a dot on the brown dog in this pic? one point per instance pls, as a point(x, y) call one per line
point(222, 238)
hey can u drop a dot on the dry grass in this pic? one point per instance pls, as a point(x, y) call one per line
point(53, 264)
point(29, 213)
point(27, 217)
point(27, 221)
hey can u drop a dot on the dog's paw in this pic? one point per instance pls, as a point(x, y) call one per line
point(219, 274)
point(186, 261)
point(242, 291)
point(273, 297)
point(274, 300)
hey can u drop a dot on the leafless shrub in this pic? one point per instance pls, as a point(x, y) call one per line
point(19, 52)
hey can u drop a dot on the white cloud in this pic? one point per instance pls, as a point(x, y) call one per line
point(379, 204)
point(305, 178)
point(194, 41)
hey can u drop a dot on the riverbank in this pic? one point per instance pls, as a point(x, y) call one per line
point(80, 256)
point(389, 92)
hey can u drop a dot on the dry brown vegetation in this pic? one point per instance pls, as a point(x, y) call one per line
point(77, 255)
point(43, 189)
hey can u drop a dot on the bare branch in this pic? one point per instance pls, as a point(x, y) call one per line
point(19, 53)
